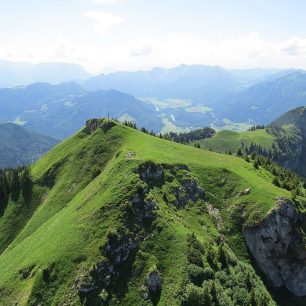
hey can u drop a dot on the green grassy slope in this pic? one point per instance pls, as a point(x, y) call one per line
point(283, 141)
point(225, 141)
point(85, 186)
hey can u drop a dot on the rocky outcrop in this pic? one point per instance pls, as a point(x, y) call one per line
point(278, 246)
point(153, 283)
point(93, 124)
point(150, 171)
point(153, 287)
point(137, 215)
point(215, 213)
point(187, 189)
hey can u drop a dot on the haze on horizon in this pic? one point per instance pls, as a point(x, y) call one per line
point(112, 35)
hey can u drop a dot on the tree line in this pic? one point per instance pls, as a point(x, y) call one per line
point(13, 184)
point(185, 138)
point(257, 127)
point(282, 177)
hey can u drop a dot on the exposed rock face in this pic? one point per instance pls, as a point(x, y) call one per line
point(215, 213)
point(278, 247)
point(94, 124)
point(140, 211)
point(189, 190)
point(154, 287)
point(153, 283)
point(149, 171)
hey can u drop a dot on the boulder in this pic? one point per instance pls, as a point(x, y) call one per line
point(244, 192)
point(154, 285)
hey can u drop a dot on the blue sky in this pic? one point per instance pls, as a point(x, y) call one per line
point(110, 35)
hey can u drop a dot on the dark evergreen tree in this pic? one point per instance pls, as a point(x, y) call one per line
point(239, 152)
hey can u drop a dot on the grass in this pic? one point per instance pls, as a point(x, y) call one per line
point(91, 177)
point(225, 141)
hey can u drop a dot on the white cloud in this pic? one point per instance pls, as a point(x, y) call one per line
point(141, 53)
point(141, 50)
point(103, 22)
point(237, 51)
point(295, 46)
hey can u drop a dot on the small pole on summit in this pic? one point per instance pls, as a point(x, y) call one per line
point(108, 116)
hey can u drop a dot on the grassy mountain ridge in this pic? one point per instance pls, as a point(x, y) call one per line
point(226, 141)
point(112, 197)
point(283, 140)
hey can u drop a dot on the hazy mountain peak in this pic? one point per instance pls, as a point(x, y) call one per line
point(16, 74)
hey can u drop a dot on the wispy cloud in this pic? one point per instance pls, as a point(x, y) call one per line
point(140, 53)
point(295, 46)
point(141, 50)
point(103, 22)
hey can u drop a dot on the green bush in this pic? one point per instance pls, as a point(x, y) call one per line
point(194, 243)
point(195, 257)
point(208, 273)
point(196, 274)
point(194, 296)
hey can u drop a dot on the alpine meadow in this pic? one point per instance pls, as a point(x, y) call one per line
point(152, 153)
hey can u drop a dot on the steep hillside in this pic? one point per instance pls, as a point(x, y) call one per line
point(19, 146)
point(284, 141)
point(292, 130)
point(119, 217)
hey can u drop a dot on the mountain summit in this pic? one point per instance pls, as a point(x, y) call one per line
point(115, 216)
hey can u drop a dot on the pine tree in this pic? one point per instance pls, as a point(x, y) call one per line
point(26, 184)
point(253, 301)
point(256, 164)
point(15, 185)
point(239, 152)
point(222, 256)
point(207, 297)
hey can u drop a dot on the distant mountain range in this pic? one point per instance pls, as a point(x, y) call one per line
point(265, 101)
point(15, 74)
point(211, 95)
point(59, 111)
point(198, 83)
point(19, 146)
point(162, 100)
point(246, 96)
